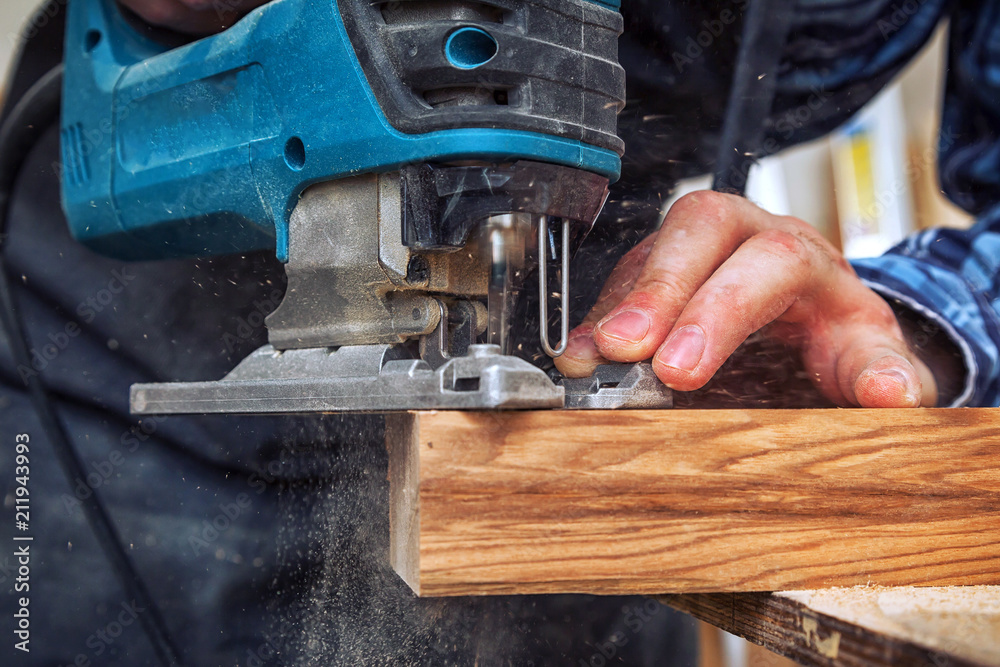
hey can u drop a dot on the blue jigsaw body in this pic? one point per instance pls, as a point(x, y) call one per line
point(205, 148)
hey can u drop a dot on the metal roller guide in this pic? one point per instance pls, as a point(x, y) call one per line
point(543, 287)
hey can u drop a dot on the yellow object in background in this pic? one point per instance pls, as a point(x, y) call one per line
point(873, 191)
point(861, 159)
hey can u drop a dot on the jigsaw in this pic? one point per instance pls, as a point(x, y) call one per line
point(411, 161)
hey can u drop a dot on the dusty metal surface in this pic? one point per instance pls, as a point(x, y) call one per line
point(379, 378)
point(367, 378)
point(618, 387)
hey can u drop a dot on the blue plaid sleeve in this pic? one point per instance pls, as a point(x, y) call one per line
point(952, 278)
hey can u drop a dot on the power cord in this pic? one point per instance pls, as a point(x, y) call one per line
point(766, 27)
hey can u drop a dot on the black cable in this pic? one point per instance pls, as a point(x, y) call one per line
point(766, 25)
point(36, 111)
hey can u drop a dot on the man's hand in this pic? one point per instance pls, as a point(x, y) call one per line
point(719, 269)
point(194, 17)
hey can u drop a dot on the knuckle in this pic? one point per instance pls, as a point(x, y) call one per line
point(792, 223)
point(705, 206)
point(823, 251)
point(785, 243)
point(658, 288)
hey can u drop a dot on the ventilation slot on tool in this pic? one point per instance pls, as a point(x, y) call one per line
point(75, 167)
point(465, 96)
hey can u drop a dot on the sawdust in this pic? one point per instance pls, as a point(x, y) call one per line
point(762, 373)
point(338, 602)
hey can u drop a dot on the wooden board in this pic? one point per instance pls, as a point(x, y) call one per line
point(693, 501)
point(862, 626)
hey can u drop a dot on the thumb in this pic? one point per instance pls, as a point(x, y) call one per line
point(895, 381)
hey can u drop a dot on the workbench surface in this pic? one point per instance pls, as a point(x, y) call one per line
point(863, 625)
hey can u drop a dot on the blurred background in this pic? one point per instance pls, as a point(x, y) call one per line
point(865, 187)
point(13, 15)
point(874, 180)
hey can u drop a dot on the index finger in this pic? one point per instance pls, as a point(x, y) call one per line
point(699, 233)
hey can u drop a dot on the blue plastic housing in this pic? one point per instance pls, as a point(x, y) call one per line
point(204, 149)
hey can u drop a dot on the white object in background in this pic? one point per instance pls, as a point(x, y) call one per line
point(873, 191)
point(734, 651)
point(687, 186)
point(14, 15)
point(765, 186)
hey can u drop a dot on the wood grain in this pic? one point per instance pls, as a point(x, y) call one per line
point(859, 627)
point(694, 501)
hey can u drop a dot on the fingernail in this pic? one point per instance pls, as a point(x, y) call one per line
point(582, 346)
point(898, 376)
point(630, 326)
point(684, 349)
